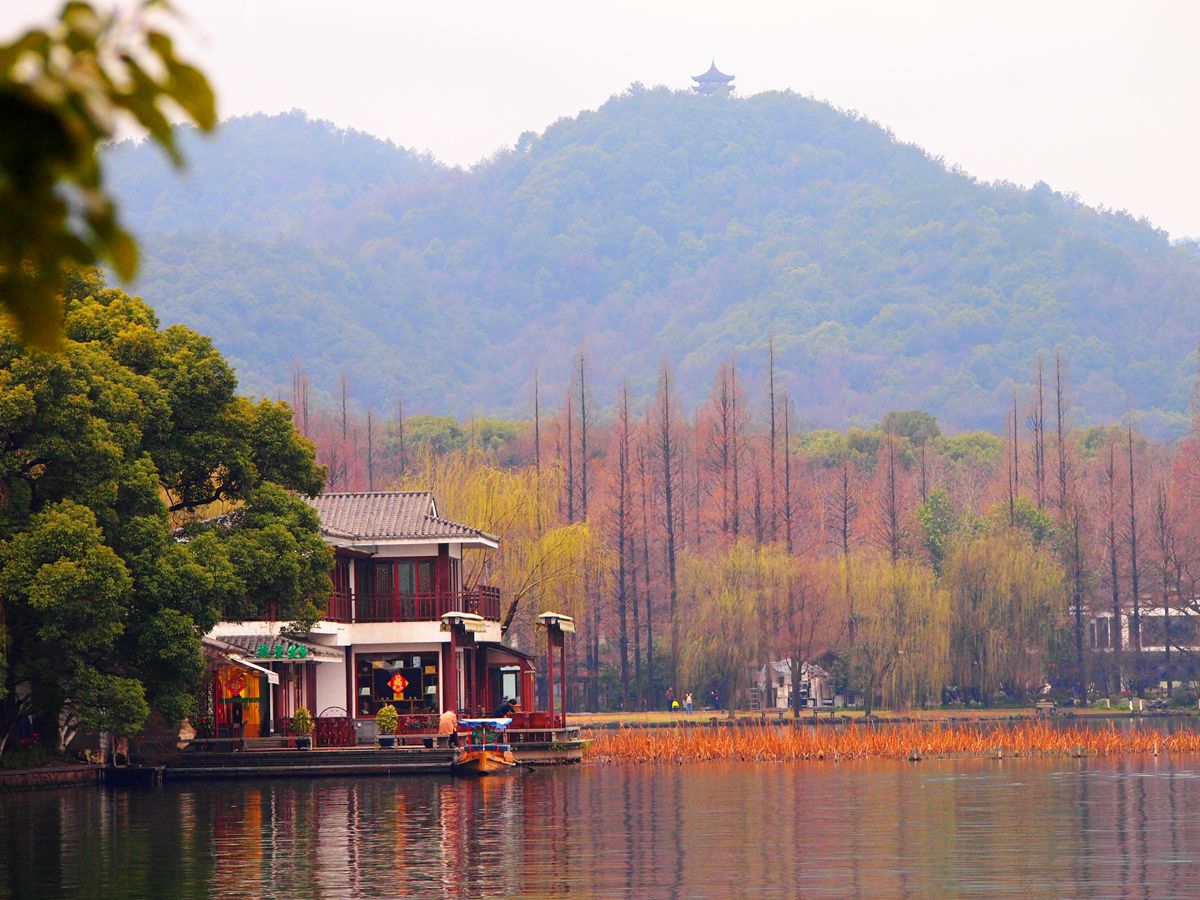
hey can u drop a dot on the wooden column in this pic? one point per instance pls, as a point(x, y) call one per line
point(480, 686)
point(550, 672)
point(452, 675)
point(469, 680)
point(441, 572)
point(562, 650)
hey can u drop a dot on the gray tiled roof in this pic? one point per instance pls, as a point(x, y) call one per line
point(248, 644)
point(387, 516)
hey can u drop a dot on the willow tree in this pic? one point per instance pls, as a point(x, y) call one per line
point(900, 651)
point(810, 614)
point(724, 634)
point(1010, 606)
point(537, 567)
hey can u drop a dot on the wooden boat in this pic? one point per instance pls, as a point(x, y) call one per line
point(485, 752)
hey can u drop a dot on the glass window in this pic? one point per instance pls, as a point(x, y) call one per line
point(425, 576)
point(405, 578)
point(375, 682)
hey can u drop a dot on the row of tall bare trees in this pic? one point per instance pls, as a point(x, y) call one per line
point(929, 566)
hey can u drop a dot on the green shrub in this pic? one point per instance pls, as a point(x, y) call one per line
point(387, 719)
point(302, 721)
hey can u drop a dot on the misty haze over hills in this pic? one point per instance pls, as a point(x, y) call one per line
point(663, 227)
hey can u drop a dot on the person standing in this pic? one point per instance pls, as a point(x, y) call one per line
point(687, 702)
point(448, 725)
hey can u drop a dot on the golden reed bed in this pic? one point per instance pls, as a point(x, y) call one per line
point(908, 741)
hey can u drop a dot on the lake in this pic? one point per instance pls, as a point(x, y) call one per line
point(1127, 827)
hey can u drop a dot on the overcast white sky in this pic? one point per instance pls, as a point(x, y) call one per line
point(1098, 98)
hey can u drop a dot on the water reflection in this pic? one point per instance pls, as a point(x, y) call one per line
point(1037, 827)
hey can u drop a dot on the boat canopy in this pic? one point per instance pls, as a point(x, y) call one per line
point(494, 724)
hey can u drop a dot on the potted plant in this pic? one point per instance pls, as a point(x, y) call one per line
point(303, 724)
point(386, 722)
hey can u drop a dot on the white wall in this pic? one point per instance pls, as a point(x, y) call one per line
point(331, 686)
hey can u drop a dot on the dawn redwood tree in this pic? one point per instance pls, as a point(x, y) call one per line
point(641, 454)
point(722, 438)
point(1135, 593)
point(889, 526)
point(1114, 584)
point(621, 510)
point(668, 452)
point(117, 453)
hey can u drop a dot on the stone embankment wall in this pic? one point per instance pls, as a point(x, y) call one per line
point(50, 776)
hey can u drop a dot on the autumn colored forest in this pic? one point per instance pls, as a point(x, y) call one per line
point(694, 544)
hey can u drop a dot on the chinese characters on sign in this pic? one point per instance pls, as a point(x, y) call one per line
point(398, 684)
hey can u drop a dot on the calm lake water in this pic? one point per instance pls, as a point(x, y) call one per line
point(985, 827)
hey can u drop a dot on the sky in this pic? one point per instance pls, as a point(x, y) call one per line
point(1095, 98)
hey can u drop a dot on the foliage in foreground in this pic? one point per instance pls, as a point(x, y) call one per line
point(64, 91)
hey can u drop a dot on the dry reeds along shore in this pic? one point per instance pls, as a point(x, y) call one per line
point(908, 741)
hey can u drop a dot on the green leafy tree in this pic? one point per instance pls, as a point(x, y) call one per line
point(1029, 517)
point(141, 501)
point(972, 448)
point(64, 91)
point(915, 424)
point(938, 522)
point(439, 434)
point(67, 597)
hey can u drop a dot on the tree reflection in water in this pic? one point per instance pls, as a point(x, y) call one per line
point(985, 826)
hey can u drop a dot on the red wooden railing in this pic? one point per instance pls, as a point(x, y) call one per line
point(339, 609)
point(482, 600)
point(535, 719)
point(328, 730)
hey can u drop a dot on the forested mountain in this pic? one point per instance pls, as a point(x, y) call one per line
point(663, 227)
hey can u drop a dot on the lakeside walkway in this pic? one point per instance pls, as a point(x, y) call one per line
point(666, 718)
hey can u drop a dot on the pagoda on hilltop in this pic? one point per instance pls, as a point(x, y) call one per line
point(714, 81)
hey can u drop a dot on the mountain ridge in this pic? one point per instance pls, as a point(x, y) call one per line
point(661, 227)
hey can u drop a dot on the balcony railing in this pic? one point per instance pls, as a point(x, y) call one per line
point(482, 600)
point(340, 608)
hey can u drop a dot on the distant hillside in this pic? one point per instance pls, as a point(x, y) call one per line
point(661, 227)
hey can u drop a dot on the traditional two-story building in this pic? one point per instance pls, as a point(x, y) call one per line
point(408, 623)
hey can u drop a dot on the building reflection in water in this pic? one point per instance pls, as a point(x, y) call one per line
point(851, 829)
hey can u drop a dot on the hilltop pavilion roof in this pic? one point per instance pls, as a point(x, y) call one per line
point(713, 75)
